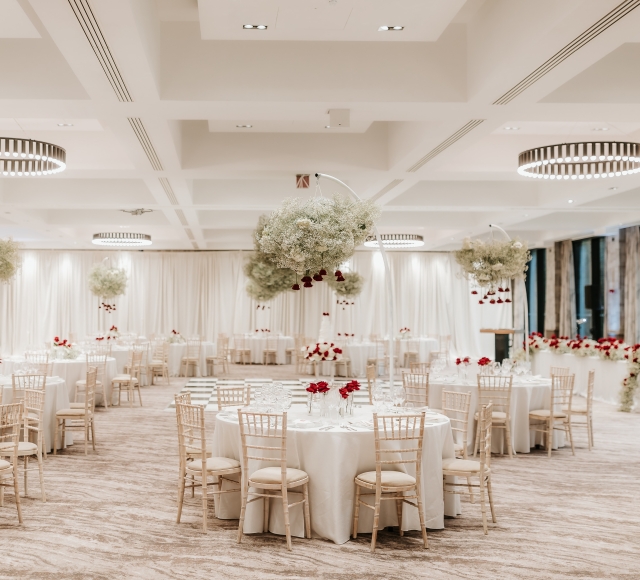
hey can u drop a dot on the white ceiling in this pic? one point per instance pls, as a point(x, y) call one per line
point(193, 74)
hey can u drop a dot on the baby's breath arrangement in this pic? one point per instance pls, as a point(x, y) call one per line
point(106, 282)
point(309, 236)
point(9, 259)
point(493, 264)
point(350, 288)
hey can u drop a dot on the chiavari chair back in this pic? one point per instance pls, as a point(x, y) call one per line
point(457, 406)
point(80, 419)
point(398, 442)
point(420, 368)
point(10, 425)
point(233, 396)
point(496, 389)
point(19, 383)
point(416, 387)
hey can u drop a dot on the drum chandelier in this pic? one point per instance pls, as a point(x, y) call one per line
point(585, 160)
point(26, 157)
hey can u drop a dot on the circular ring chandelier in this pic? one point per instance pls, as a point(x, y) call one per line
point(122, 239)
point(395, 241)
point(26, 157)
point(585, 160)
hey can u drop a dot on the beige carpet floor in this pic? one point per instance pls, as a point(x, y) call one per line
point(112, 515)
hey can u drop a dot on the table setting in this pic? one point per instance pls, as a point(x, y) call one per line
point(334, 443)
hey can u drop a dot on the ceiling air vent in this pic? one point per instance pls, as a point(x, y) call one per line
point(145, 142)
point(386, 189)
point(575, 45)
point(459, 134)
point(171, 195)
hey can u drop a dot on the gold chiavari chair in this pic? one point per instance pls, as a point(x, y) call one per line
point(36, 357)
point(19, 383)
point(129, 381)
point(193, 471)
point(371, 381)
point(221, 358)
point(10, 424)
point(159, 364)
point(457, 407)
point(233, 396)
point(99, 361)
point(270, 353)
point(192, 358)
point(468, 468)
point(559, 371)
point(392, 431)
point(241, 350)
point(421, 368)
point(33, 424)
point(264, 439)
point(416, 388)
point(496, 390)
point(585, 411)
point(79, 419)
point(396, 354)
point(558, 416)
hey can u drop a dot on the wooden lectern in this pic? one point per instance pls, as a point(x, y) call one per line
point(501, 341)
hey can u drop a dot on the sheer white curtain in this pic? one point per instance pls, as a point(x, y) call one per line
point(203, 293)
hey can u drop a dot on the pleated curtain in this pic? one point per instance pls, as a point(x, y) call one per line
point(632, 285)
point(567, 303)
point(203, 293)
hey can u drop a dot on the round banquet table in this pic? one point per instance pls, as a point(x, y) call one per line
point(56, 397)
point(333, 459)
point(358, 353)
point(527, 394)
point(69, 370)
point(177, 350)
point(258, 343)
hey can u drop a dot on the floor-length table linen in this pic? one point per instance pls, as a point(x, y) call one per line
point(422, 345)
point(70, 371)
point(56, 397)
point(332, 459)
point(258, 343)
point(178, 350)
point(527, 394)
point(607, 381)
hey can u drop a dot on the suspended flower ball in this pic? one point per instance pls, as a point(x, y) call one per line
point(9, 259)
point(350, 286)
point(106, 282)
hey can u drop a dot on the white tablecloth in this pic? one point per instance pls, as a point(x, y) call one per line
point(177, 350)
point(526, 396)
point(607, 381)
point(258, 343)
point(358, 353)
point(56, 397)
point(422, 345)
point(69, 371)
point(333, 459)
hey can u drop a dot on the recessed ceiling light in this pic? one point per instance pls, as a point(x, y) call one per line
point(569, 201)
point(512, 128)
point(395, 241)
point(254, 26)
point(65, 124)
point(121, 239)
point(613, 188)
point(244, 126)
point(600, 129)
point(390, 28)
point(327, 126)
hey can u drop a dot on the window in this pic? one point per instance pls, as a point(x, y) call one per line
point(536, 285)
point(588, 260)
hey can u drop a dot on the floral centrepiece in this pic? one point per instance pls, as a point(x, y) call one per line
point(62, 348)
point(113, 333)
point(106, 282)
point(405, 332)
point(463, 361)
point(322, 351)
point(9, 259)
point(349, 388)
point(318, 388)
point(313, 235)
point(484, 361)
point(491, 265)
point(176, 338)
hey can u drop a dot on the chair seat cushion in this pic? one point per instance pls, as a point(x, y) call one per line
point(190, 359)
point(273, 475)
point(545, 413)
point(156, 363)
point(461, 465)
point(70, 412)
point(214, 464)
point(24, 448)
point(387, 478)
point(4, 465)
point(124, 379)
point(496, 416)
point(83, 383)
point(575, 410)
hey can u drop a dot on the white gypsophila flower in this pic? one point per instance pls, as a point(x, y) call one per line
point(9, 259)
point(107, 282)
point(350, 288)
point(304, 223)
point(517, 244)
point(497, 267)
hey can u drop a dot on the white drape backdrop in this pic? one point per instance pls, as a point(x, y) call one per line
point(202, 293)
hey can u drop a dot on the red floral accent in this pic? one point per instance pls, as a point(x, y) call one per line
point(507, 300)
point(500, 300)
point(305, 279)
point(338, 273)
point(308, 285)
point(295, 287)
point(480, 301)
point(322, 272)
point(317, 277)
point(466, 360)
point(474, 292)
point(492, 301)
point(484, 361)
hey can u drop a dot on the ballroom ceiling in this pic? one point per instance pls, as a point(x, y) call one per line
point(173, 106)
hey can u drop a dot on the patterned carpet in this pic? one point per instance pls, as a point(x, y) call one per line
point(111, 515)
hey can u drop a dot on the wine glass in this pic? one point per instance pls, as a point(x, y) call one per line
point(399, 397)
point(377, 396)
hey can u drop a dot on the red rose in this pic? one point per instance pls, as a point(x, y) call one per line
point(338, 273)
point(295, 287)
point(322, 272)
point(474, 292)
point(317, 277)
point(308, 285)
point(480, 302)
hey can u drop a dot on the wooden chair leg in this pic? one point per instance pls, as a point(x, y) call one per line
point(266, 504)
point(423, 528)
point(508, 436)
point(287, 524)
point(93, 435)
point(483, 507)
point(376, 521)
point(16, 491)
point(307, 515)
point(570, 433)
point(139, 395)
point(55, 438)
point(181, 487)
point(399, 512)
point(356, 512)
point(204, 479)
point(86, 438)
point(41, 470)
point(549, 437)
point(490, 494)
point(243, 509)
point(25, 464)
point(476, 443)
